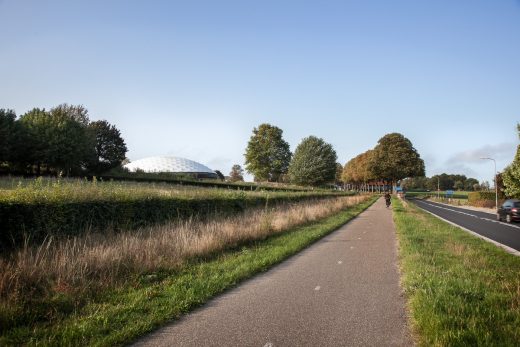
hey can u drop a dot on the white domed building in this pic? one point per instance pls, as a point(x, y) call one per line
point(174, 165)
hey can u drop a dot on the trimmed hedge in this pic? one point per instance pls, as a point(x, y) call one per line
point(35, 220)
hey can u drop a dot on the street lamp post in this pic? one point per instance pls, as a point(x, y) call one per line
point(496, 181)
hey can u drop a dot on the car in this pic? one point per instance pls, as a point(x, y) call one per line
point(509, 211)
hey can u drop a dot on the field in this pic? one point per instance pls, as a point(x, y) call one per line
point(106, 289)
point(442, 194)
point(461, 290)
point(33, 210)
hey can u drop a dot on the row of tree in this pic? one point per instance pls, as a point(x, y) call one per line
point(391, 160)
point(443, 182)
point(268, 158)
point(60, 140)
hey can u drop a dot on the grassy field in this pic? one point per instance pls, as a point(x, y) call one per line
point(13, 182)
point(32, 210)
point(442, 194)
point(462, 291)
point(109, 291)
point(49, 189)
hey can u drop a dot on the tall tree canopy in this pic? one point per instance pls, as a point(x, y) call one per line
point(358, 169)
point(71, 145)
point(267, 153)
point(339, 173)
point(61, 139)
point(394, 158)
point(7, 133)
point(313, 163)
point(511, 174)
point(37, 131)
point(110, 147)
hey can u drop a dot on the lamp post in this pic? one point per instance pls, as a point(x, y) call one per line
point(496, 182)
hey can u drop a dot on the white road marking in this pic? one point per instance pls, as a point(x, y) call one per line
point(317, 288)
point(471, 215)
point(359, 238)
point(340, 262)
point(351, 247)
point(268, 344)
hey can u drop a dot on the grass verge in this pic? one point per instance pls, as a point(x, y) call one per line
point(461, 290)
point(119, 316)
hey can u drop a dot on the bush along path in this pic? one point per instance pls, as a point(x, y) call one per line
point(461, 290)
point(146, 300)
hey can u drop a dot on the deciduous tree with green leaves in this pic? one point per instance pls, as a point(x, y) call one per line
point(395, 158)
point(511, 174)
point(267, 153)
point(72, 145)
point(7, 133)
point(313, 163)
point(339, 174)
point(236, 174)
point(110, 147)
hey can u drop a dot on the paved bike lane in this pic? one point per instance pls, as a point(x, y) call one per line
point(342, 291)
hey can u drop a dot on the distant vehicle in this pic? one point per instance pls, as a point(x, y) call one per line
point(509, 211)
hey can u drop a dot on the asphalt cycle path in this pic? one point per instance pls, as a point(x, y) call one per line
point(481, 223)
point(342, 291)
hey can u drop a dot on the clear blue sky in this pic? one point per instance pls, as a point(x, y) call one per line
point(193, 78)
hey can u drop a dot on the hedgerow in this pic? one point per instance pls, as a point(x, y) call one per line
point(35, 212)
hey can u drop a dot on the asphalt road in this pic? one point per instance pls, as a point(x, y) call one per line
point(482, 223)
point(342, 291)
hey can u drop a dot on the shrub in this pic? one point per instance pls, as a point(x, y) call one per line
point(32, 213)
point(484, 199)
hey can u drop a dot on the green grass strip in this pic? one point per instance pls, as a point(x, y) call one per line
point(121, 316)
point(462, 290)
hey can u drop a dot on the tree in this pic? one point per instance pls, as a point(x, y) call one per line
point(35, 125)
point(76, 112)
point(395, 158)
point(72, 145)
point(220, 175)
point(458, 185)
point(58, 139)
point(236, 174)
point(339, 173)
point(110, 148)
point(511, 175)
point(415, 183)
point(313, 163)
point(470, 183)
point(358, 170)
point(267, 153)
point(7, 134)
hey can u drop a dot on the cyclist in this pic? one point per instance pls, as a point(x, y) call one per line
point(387, 199)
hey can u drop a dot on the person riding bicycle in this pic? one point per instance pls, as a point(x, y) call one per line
point(387, 199)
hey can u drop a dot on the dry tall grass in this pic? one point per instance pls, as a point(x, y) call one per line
point(94, 261)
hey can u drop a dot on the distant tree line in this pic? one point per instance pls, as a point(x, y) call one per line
point(444, 182)
point(393, 159)
point(60, 140)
